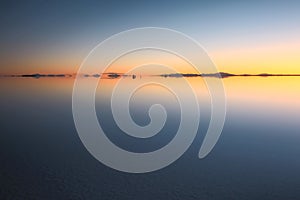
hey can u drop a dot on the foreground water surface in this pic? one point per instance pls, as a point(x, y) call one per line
point(257, 156)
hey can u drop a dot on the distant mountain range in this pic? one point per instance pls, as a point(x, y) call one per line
point(119, 75)
point(224, 75)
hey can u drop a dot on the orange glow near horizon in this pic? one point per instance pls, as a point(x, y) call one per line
point(266, 58)
point(261, 92)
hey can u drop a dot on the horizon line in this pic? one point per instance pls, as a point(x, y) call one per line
point(119, 75)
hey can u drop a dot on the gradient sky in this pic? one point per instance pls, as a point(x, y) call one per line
point(240, 36)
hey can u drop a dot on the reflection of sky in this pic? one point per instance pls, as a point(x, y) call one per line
point(240, 36)
point(258, 99)
point(257, 156)
point(252, 102)
point(280, 94)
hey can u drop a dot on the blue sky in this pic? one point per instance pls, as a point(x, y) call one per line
point(53, 35)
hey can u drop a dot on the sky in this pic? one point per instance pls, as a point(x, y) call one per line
point(240, 36)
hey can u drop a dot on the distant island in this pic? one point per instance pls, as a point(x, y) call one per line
point(37, 75)
point(113, 75)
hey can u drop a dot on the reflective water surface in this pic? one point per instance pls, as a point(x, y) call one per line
point(257, 156)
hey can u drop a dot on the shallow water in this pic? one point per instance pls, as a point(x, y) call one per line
point(256, 157)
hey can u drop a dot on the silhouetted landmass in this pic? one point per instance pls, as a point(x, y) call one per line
point(112, 75)
point(37, 75)
point(223, 75)
point(217, 75)
point(178, 75)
